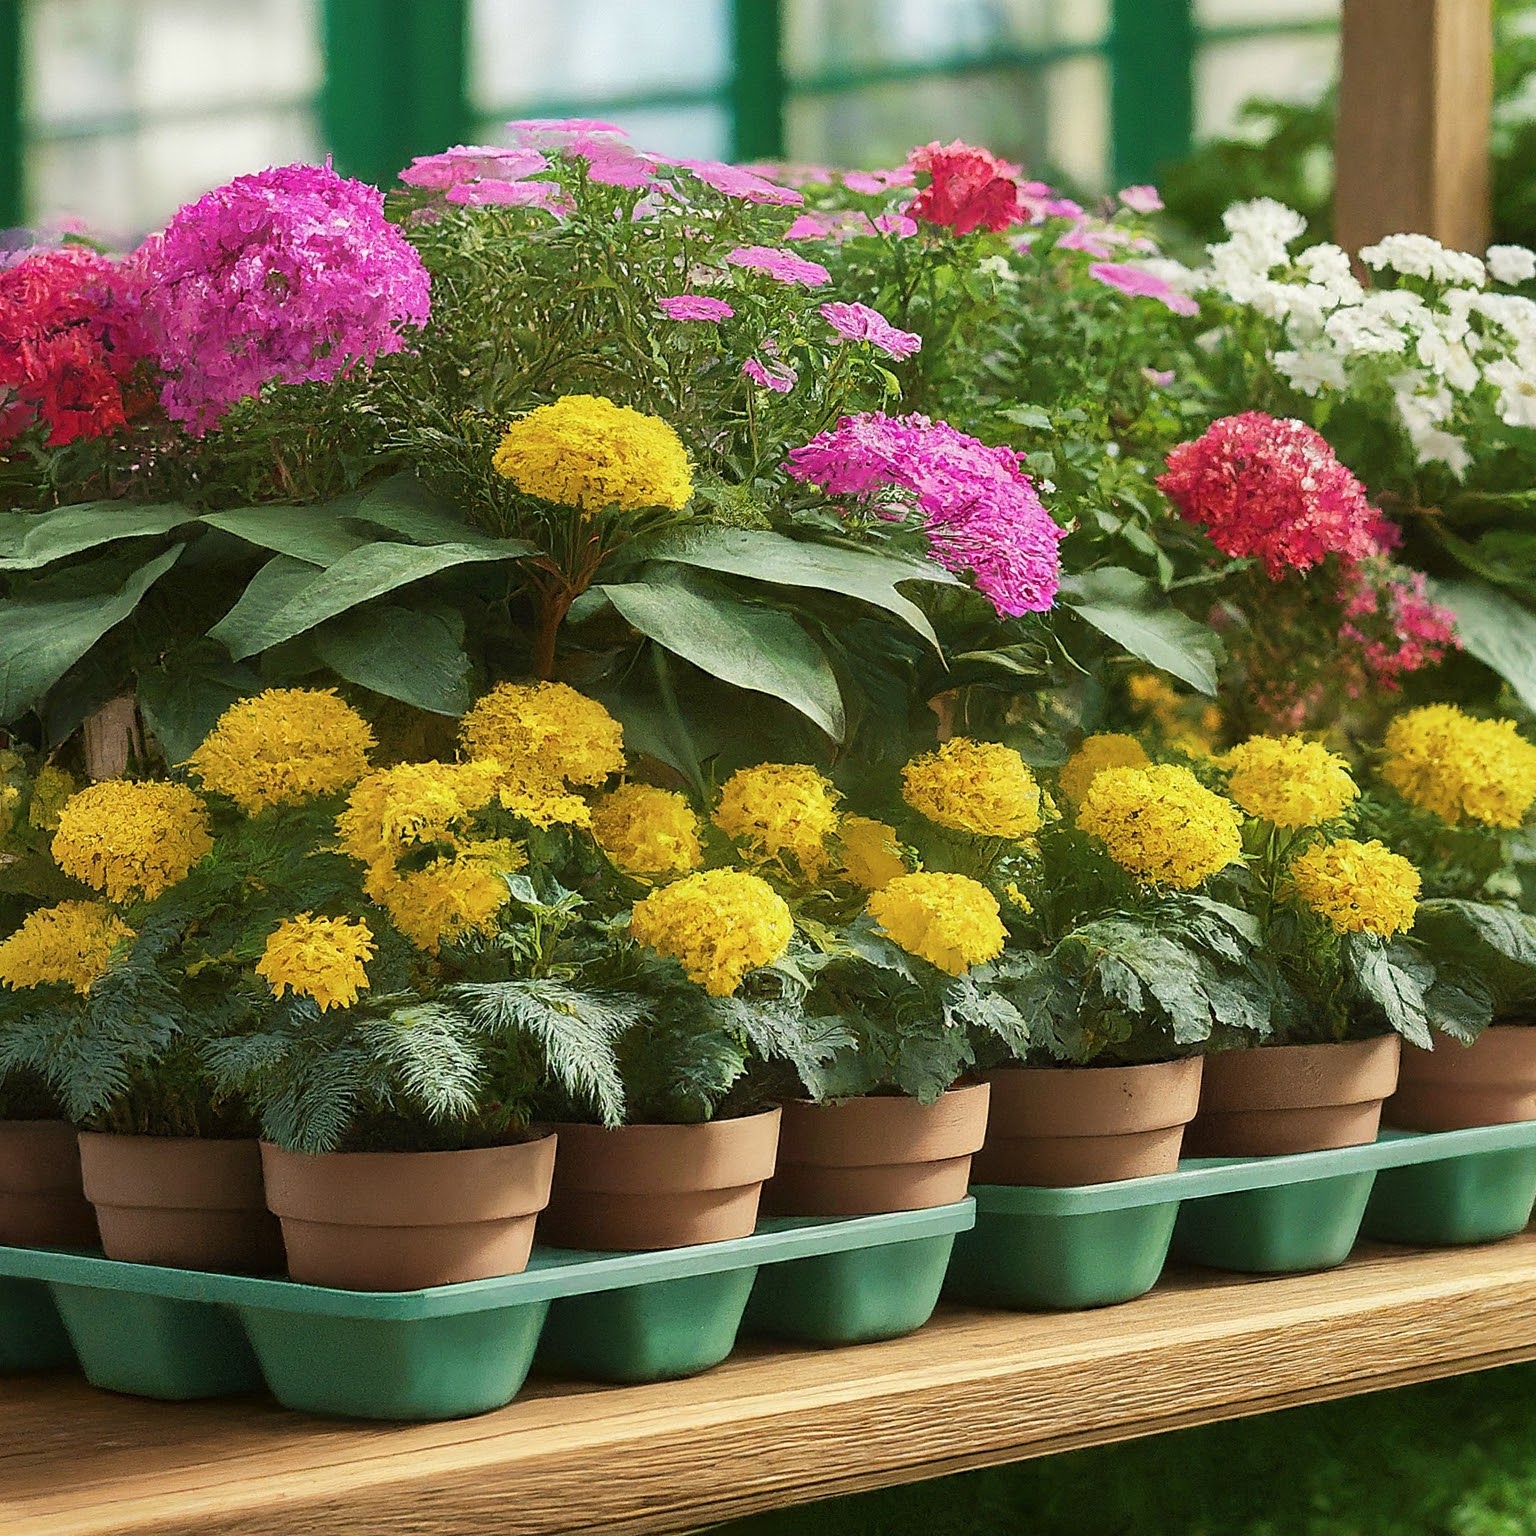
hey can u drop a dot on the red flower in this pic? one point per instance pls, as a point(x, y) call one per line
point(968, 188)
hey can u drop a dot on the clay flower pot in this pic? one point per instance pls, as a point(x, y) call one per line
point(1087, 1125)
point(861, 1157)
point(402, 1221)
point(180, 1201)
point(659, 1186)
point(41, 1202)
point(1274, 1099)
point(1490, 1082)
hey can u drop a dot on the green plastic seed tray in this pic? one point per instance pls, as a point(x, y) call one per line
point(444, 1353)
point(1094, 1245)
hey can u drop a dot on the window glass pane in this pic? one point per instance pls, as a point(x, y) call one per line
point(700, 133)
point(1297, 68)
point(1231, 13)
point(1077, 112)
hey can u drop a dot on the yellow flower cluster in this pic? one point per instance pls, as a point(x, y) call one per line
point(1289, 781)
point(325, 958)
point(67, 945)
point(978, 787)
point(871, 852)
point(1097, 753)
point(1359, 887)
point(131, 839)
point(283, 747)
point(1162, 824)
point(584, 451)
point(951, 921)
point(452, 897)
point(10, 798)
point(1184, 722)
point(718, 924)
point(1460, 767)
point(782, 812)
point(648, 832)
point(51, 789)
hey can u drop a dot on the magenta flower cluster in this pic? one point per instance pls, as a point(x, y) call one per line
point(289, 276)
point(980, 510)
point(782, 266)
point(858, 322)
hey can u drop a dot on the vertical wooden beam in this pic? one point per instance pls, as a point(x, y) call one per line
point(757, 80)
point(1151, 86)
point(1415, 103)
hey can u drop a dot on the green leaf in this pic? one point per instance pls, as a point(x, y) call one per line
point(765, 556)
point(1134, 614)
point(410, 654)
point(755, 648)
point(41, 638)
point(182, 705)
point(29, 540)
point(276, 583)
point(1391, 976)
point(313, 534)
point(403, 505)
point(1499, 631)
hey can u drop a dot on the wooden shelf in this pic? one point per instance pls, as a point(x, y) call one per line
point(770, 1427)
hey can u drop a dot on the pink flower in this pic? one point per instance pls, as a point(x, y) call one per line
point(695, 306)
point(472, 162)
point(1038, 202)
point(968, 188)
point(1272, 489)
point(1391, 621)
point(816, 224)
point(980, 511)
point(858, 322)
point(1085, 236)
point(774, 375)
point(612, 162)
point(1142, 285)
point(738, 181)
point(1158, 378)
point(553, 132)
point(782, 266)
point(491, 193)
point(1141, 199)
point(871, 183)
point(897, 224)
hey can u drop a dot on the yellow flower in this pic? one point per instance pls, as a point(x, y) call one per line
point(1153, 695)
point(1110, 750)
point(584, 451)
point(131, 839)
point(544, 732)
point(50, 789)
point(780, 811)
point(871, 852)
point(951, 921)
point(10, 798)
point(320, 957)
point(648, 831)
point(1018, 898)
point(67, 945)
point(1460, 767)
point(283, 747)
point(544, 802)
point(450, 898)
point(1162, 824)
point(1358, 887)
point(1289, 781)
point(975, 786)
point(718, 924)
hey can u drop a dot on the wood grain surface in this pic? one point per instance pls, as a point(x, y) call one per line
point(772, 1426)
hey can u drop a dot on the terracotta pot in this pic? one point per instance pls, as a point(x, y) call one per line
point(41, 1202)
point(1490, 1082)
point(180, 1201)
point(1086, 1125)
point(864, 1156)
point(659, 1186)
point(1273, 1099)
point(402, 1221)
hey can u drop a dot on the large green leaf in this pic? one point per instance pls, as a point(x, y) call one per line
point(313, 534)
point(30, 540)
point(275, 584)
point(1131, 611)
point(866, 575)
point(411, 654)
point(42, 637)
point(404, 506)
point(182, 703)
point(755, 648)
point(1499, 631)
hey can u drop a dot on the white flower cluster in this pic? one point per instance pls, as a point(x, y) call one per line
point(1437, 347)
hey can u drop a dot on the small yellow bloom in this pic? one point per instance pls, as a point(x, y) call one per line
point(1110, 750)
point(718, 924)
point(980, 787)
point(68, 945)
point(782, 812)
point(1289, 781)
point(1359, 887)
point(1162, 824)
point(586, 452)
point(872, 855)
point(324, 958)
point(544, 732)
point(131, 839)
point(648, 832)
point(450, 898)
point(1018, 898)
point(951, 921)
point(1460, 767)
point(50, 790)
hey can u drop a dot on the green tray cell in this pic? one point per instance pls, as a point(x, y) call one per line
point(433, 1368)
point(152, 1346)
point(1043, 1261)
point(1477, 1199)
point(32, 1336)
point(654, 1332)
point(1278, 1229)
point(853, 1297)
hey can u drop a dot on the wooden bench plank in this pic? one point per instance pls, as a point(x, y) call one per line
point(772, 1426)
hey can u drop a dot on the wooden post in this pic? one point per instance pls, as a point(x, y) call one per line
point(1415, 101)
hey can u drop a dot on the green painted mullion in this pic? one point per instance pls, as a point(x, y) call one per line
point(395, 82)
point(757, 80)
point(13, 189)
point(1152, 109)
